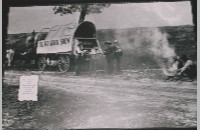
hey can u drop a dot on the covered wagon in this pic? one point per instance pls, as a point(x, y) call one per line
point(63, 43)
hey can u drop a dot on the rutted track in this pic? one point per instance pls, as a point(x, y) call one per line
point(116, 101)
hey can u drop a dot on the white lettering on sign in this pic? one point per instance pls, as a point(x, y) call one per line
point(28, 88)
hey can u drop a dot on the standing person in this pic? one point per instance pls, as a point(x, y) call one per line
point(189, 68)
point(109, 52)
point(117, 55)
point(82, 56)
point(9, 56)
point(30, 48)
point(79, 59)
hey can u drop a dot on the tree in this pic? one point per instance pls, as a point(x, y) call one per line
point(84, 9)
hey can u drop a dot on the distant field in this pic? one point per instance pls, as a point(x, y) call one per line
point(134, 42)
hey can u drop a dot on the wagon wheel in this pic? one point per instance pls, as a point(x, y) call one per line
point(42, 63)
point(63, 63)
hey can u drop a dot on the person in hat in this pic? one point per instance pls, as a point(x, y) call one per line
point(79, 58)
point(117, 55)
point(109, 52)
point(189, 68)
point(30, 52)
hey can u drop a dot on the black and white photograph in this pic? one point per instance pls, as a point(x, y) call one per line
point(118, 65)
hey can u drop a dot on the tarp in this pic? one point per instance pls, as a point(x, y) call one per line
point(60, 38)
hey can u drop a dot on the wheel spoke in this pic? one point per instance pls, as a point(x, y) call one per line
point(42, 63)
point(64, 63)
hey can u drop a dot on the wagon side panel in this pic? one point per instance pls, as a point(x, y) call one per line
point(54, 46)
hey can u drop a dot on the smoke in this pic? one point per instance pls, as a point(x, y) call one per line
point(162, 51)
point(142, 47)
point(160, 46)
point(148, 42)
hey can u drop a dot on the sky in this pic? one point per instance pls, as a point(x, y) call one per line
point(26, 19)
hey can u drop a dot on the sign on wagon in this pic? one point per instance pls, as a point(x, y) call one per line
point(54, 46)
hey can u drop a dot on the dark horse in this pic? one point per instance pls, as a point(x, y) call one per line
point(29, 56)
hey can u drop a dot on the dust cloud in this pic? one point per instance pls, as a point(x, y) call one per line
point(162, 51)
point(148, 42)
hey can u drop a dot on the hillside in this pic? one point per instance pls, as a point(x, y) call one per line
point(136, 43)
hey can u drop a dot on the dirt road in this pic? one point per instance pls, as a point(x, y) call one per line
point(134, 99)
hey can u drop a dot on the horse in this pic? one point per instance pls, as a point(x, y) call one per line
point(29, 54)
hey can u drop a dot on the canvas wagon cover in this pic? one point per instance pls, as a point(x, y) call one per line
point(59, 39)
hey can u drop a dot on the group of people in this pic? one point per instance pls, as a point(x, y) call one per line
point(84, 57)
point(183, 66)
point(113, 53)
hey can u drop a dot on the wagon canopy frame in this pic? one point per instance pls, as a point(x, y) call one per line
point(85, 30)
